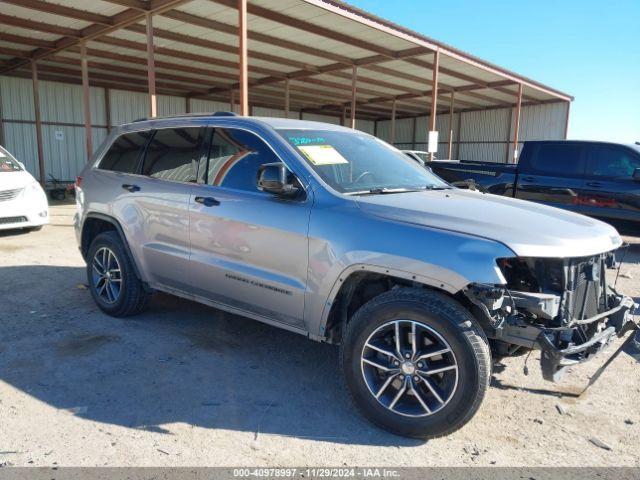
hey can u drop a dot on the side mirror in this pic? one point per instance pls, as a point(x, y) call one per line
point(636, 175)
point(273, 178)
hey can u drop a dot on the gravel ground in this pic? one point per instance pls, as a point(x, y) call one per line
point(185, 384)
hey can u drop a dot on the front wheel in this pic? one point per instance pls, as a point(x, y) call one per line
point(416, 362)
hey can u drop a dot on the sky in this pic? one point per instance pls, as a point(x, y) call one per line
point(589, 49)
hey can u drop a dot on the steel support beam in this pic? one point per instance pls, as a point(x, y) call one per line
point(516, 129)
point(151, 68)
point(86, 100)
point(453, 98)
point(392, 136)
point(107, 108)
point(36, 110)
point(354, 80)
point(286, 98)
point(242, 57)
point(434, 94)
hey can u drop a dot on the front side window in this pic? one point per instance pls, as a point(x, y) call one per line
point(235, 157)
point(173, 154)
point(8, 163)
point(611, 162)
point(356, 163)
point(124, 152)
point(557, 159)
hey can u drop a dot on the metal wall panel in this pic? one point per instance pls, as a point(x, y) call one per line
point(127, 106)
point(272, 112)
point(65, 149)
point(208, 106)
point(20, 140)
point(543, 122)
point(170, 105)
point(16, 95)
point(366, 126)
point(323, 118)
point(62, 102)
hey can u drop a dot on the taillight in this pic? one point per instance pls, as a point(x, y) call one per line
point(78, 182)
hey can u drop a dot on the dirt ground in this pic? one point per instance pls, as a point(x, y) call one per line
point(185, 384)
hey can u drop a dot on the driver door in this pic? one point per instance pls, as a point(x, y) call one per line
point(249, 249)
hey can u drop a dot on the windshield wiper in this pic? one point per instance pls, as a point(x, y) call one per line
point(437, 187)
point(384, 191)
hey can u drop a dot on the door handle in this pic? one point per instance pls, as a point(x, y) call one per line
point(528, 179)
point(131, 188)
point(207, 201)
point(594, 184)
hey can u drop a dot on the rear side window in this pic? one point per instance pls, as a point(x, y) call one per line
point(234, 159)
point(124, 152)
point(611, 162)
point(173, 154)
point(563, 160)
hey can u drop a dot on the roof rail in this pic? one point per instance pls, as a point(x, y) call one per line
point(180, 115)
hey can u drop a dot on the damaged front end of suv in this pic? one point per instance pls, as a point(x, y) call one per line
point(562, 306)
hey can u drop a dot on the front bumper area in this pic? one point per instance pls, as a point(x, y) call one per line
point(614, 323)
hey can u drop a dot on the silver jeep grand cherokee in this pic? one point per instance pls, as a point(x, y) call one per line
point(336, 235)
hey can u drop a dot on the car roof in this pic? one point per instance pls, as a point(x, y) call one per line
point(207, 118)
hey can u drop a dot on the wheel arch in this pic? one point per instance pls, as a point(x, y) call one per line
point(360, 283)
point(97, 223)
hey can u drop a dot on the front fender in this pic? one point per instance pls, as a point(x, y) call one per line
point(345, 244)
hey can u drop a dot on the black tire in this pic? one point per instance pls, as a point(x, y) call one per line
point(133, 297)
point(454, 324)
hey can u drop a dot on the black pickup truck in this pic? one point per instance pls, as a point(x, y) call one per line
point(593, 178)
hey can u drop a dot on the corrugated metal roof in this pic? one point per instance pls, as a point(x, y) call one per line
point(315, 42)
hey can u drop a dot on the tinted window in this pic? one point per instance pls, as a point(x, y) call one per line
point(557, 159)
point(611, 162)
point(234, 159)
point(173, 154)
point(124, 153)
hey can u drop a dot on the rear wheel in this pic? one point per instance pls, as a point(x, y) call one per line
point(112, 279)
point(416, 362)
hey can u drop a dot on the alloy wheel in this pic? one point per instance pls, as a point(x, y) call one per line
point(409, 368)
point(106, 275)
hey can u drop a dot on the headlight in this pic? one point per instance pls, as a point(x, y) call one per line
point(34, 188)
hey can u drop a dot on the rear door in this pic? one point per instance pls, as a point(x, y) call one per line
point(552, 173)
point(159, 200)
point(249, 248)
point(610, 190)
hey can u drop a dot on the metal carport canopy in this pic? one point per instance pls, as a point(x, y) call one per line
point(316, 56)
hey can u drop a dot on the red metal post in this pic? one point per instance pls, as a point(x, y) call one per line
point(354, 78)
point(453, 98)
point(107, 108)
point(151, 68)
point(187, 105)
point(286, 98)
point(516, 130)
point(36, 108)
point(86, 99)
point(242, 54)
point(434, 93)
point(392, 136)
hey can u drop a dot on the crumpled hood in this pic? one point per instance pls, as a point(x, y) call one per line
point(527, 228)
point(13, 180)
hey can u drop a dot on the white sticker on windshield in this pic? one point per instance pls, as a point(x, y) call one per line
point(322, 155)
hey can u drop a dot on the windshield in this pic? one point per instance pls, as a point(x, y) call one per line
point(8, 163)
point(356, 163)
